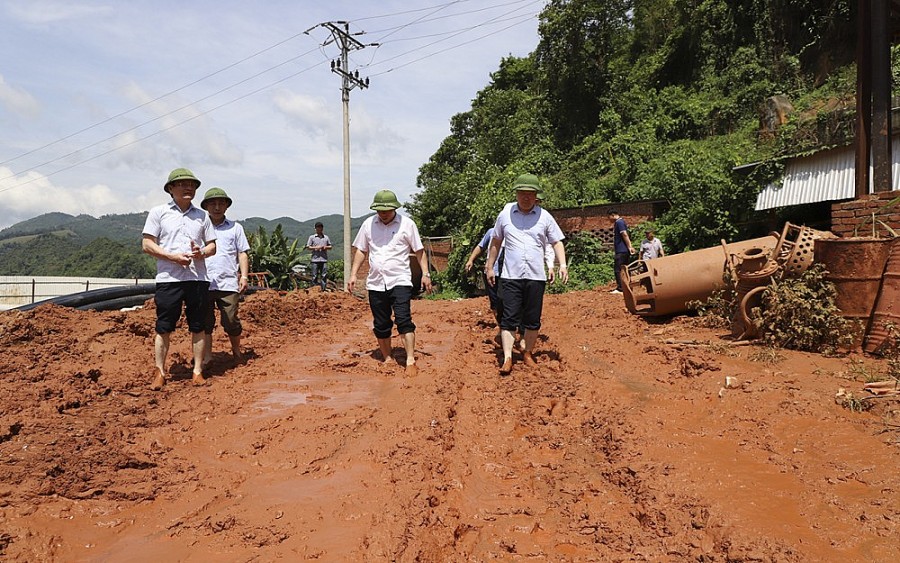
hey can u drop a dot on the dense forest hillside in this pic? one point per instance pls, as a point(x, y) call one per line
point(626, 100)
point(59, 244)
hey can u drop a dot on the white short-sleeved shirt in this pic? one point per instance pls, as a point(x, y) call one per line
point(223, 266)
point(650, 249)
point(174, 230)
point(525, 238)
point(388, 247)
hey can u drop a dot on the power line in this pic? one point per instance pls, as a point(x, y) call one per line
point(525, 19)
point(159, 117)
point(163, 130)
point(135, 108)
point(425, 18)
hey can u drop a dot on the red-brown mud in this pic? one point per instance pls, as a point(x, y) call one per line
point(617, 447)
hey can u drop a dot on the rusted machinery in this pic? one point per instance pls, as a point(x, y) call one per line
point(665, 286)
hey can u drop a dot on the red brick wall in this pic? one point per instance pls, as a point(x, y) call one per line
point(595, 218)
point(440, 252)
point(848, 216)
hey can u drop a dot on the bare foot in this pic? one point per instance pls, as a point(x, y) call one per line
point(238, 357)
point(529, 359)
point(158, 382)
point(412, 370)
point(506, 368)
point(198, 379)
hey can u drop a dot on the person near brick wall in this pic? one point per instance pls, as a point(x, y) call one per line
point(621, 246)
point(651, 247)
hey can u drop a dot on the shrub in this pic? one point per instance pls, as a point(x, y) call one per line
point(800, 314)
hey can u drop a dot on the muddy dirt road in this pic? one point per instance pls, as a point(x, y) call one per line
point(617, 447)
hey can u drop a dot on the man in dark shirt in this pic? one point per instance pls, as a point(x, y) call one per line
point(622, 246)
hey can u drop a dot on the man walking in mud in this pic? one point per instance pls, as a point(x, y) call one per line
point(387, 239)
point(180, 237)
point(228, 273)
point(524, 230)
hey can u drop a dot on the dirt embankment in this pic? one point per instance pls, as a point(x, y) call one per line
point(618, 447)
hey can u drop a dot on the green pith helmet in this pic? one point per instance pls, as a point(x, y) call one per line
point(215, 193)
point(539, 196)
point(385, 200)
point(180, 174)
point(527, 183)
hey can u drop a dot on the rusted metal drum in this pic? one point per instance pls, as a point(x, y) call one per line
point(855, 267)
point(665, 286)
point(887, 304)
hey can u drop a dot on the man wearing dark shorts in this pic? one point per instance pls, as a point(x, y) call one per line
point(524, 230)
point(387, 239)
point(180, 237)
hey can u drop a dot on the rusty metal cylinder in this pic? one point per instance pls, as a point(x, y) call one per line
point(855, 267)
point(665, 286)
point(887, 304)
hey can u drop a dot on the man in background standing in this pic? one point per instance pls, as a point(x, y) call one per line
point(228, 273)
point(651, 247)
point(180, 237)
point(622, 247)
point(319, 244)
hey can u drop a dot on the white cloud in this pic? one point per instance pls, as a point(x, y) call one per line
point(17, 100)
point(178, 128)
point(45, 12)
point(127, 94)
point(311, 115)
point(31, 194)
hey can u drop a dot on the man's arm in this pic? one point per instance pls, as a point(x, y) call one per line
point(627, 240)
point(151, 247)
point(426, 275)
point(662, 251)
point(244, 267)
point(560, 251)
point(476, 252)
point(493, 253)
point(357, 262)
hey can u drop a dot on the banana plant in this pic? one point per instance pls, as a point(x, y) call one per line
point(275, 256)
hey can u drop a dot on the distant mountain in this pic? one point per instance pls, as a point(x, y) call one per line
point(44, 245)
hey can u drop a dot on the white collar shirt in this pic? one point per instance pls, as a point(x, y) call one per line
point(525, 238)
point(223, 266)
point(388, 247)
point(174, 230)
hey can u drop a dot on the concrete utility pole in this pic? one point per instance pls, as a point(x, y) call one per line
point(340, 35)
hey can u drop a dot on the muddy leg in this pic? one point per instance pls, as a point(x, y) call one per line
point(161, 350)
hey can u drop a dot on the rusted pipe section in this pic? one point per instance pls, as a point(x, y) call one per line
point(887, 304)
point(754, 269)
point(796, 248)
point(665, 286)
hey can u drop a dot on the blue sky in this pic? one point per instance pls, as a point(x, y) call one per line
point(100, 100)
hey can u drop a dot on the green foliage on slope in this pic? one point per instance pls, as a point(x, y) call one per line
point(627, 100)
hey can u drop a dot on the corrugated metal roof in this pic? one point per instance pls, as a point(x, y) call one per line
point(824, 176)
